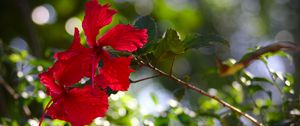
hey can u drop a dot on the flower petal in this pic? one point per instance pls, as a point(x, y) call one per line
point(96, 16)
point(74, 63)
point(75, 47)
point(115, 74)
point(70, 70)
point(53, 89)
point(124, 38)
point(79, 106)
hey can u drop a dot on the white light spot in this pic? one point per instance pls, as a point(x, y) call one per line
point(71, 24)
point(98, 121)
point(101, 121)
point(122, 112)
point(84, 80)
point(295, 112)
point(106, 123)
point(132, 104)
point(236, 86)
point(189, 112)
point(245, 81)
point(232, 61)
point(33, 122)
point(287, 83)
point(41, 94)
point(212, 91)
point(135, 122)
point(292, 91)
point(117, 96)
point(249, 74)
point(173, 103)
point(148, 122)
point(29, 78)
point(40, 68)
point(24, 94)
point(44, 14)
point(20, 74)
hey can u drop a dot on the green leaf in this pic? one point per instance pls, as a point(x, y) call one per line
point(198, 41)
point(261, 79)
point(254, 88)
point(161, 121)
point(289, 79)
point(185, 119)
point(37, 62)
point(15, 58)
point(169, 46)
point(148, 23)
point(154, 98)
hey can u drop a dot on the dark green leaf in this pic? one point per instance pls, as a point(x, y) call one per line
point(161, 121)
point(179, 93)
point(261, 79)
point(198, 41)
point(169, 46)
point(185, 119)
point(254, 88)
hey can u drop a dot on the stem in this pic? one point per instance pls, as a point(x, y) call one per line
point(171, 69)
point(200, 91)
point(45, 111)
point(136, 81)
point(260, 109)
point(274, 81)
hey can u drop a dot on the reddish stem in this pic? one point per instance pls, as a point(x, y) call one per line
point(44, 112)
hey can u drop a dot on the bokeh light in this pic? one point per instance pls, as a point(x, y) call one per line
point(71, 24)
point(44, 14)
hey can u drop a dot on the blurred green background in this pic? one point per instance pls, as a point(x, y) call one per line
point(32, 31)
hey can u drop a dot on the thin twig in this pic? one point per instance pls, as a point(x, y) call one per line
point(9, 89)
point(200, 91)
point(15, 95)
point(136, 81)
point(171, 69)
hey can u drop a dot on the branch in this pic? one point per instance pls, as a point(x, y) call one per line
point(15, 95)
point(226, 70)
point(200, 91)
point(136, 81)
point(9, 89)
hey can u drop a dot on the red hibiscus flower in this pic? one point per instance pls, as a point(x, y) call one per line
point(82, 61)
point(81, 105)
point(75, 105)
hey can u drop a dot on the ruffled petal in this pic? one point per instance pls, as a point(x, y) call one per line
point(115, 74)
point(69, 71)
point(79, 106)
point(53, 89)
point(74, 63)
point(124, 38)
point(75, 47)
point(96, 16)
